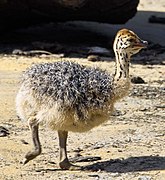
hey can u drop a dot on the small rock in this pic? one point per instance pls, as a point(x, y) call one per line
point(51, 162)
point(143, 109)
point(159, 106)
point(144, 178)
point(24, 142)
point(118, 113)
point(137, 80)
point(119, 150)
point(93, 58)
point(115, 145)
point(85, 159)
point(98, 146)
point(93, 175)
point(77, 150)
point(3, 131)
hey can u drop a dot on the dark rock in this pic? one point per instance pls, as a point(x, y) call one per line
point(137, 80)
point(94, 175)
point(155, 19)
point(24, 142)
point(3, 131)
point(93, 58)
point(18, 13)
point(85, 158)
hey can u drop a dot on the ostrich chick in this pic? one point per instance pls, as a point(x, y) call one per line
point(68, 96)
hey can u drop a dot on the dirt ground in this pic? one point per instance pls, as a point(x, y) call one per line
point(130, 146)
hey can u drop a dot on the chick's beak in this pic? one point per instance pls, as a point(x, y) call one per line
point(142, 44)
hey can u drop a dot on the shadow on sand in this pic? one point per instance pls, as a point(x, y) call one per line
point(132, 164)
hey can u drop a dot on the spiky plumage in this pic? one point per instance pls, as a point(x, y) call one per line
point(65, 86)
point(71, 84)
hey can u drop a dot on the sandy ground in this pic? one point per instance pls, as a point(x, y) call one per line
point(130, 145)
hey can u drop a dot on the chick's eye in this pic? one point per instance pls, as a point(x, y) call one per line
point(131, 40)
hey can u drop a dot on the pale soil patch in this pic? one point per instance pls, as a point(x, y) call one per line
point(131, 145)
